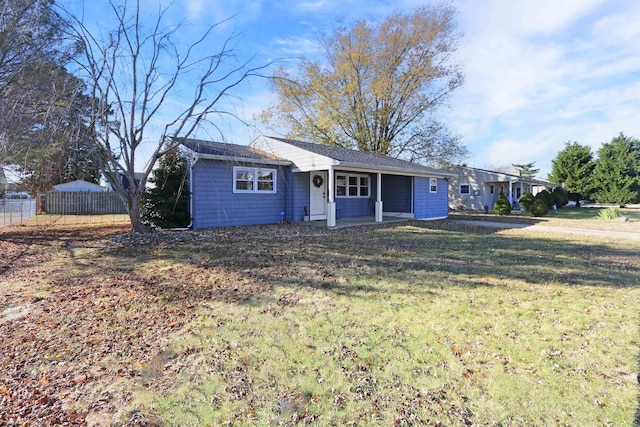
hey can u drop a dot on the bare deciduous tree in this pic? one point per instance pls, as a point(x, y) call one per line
point(378, 87)
point(138, 77)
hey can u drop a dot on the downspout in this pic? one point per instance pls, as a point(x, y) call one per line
point(192, 163)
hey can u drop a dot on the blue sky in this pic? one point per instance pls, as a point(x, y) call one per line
point(538, 73)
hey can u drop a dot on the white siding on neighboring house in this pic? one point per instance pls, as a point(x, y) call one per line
point(485, 186)
point(78, 186)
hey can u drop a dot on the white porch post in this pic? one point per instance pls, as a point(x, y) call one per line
point(331, 204)
point(511, 192)
point(379, 198)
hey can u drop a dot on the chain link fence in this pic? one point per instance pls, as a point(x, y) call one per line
point(15, 211)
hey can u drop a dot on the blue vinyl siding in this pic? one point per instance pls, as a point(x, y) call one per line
point(300, 198)
point(429, 205)
point(396, 193)
point(354, 207)
point(215, 204)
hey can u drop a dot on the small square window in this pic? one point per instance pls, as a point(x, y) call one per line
point(465, 189)
point(433, 185)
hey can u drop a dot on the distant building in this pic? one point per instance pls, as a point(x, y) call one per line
point(475, 189)
point(78, 186)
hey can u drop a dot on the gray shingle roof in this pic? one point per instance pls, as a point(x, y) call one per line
point(224, 149)
point(360, 158)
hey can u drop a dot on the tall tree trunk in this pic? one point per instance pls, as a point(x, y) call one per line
point(133, 208)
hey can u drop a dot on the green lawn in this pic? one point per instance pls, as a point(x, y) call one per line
point(412, 324)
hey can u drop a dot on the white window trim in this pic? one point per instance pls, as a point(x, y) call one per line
point(358, 176)
point(256, 173)
point(468, 193)
point(433, 182)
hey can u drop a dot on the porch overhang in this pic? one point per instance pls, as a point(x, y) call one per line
point(336, 165)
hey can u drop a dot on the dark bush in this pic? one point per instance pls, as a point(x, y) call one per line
point(560, 197)
point(546, 197)
point(539, 208)
point(502, 205)
point(526, 200)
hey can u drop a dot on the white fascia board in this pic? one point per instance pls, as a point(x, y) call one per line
point(303, 160)
point(396, 171)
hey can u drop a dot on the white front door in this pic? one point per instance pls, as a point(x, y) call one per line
point(318, 195)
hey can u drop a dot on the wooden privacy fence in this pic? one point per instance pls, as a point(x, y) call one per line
point(84, 203)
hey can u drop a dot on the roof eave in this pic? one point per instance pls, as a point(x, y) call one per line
point(397, 171)
point(203, 156)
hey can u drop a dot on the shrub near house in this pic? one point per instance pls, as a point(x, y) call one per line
point(502, 205)
point(560, 197)
point(546, 197)
point(539, 207)
point(526, 200)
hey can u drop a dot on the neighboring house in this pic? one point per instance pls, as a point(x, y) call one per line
point(78, 186)
point(125, 182)
point(478, 189)
point(275, 179)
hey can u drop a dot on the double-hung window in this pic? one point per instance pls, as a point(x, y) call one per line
point(352, 185)
point(254, 180)
point(433, 185)
point(465, 189)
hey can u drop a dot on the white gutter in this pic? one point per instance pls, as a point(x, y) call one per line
point(396, 171)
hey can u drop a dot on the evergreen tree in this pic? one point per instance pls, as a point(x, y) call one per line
point(546, 197)
point(526, 200)
point(573, 169)
point(539, 207)
point(560, 197)
point(527, 170)
point(617, 177)
point(502, 205)
point(166, 204)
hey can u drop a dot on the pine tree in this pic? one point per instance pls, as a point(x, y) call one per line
point(573, 169)
point(166, 204)
point(527, 170)
point(617, 177)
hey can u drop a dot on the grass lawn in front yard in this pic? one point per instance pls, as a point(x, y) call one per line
point(404, 324)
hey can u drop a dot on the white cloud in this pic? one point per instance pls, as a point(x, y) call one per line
point(542, 73)
point(296, 46)
point(312, 6)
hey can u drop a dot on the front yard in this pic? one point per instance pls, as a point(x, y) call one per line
point(415, 323)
